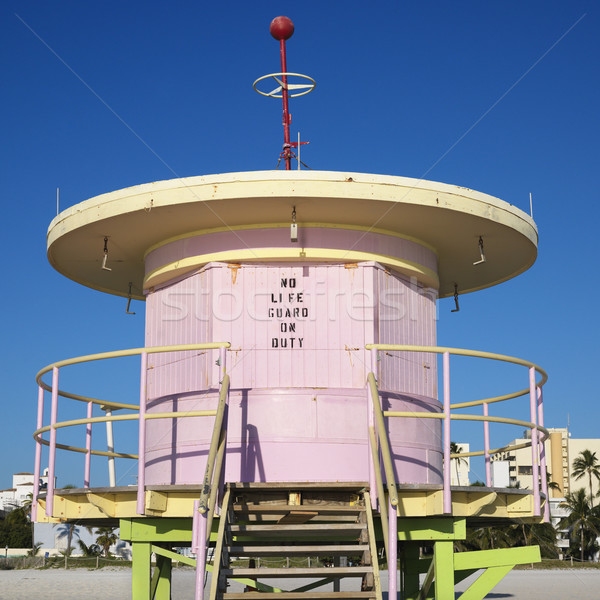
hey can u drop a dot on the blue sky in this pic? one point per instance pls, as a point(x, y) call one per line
point(501, 97)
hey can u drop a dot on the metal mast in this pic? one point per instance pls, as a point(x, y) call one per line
point(281, 29)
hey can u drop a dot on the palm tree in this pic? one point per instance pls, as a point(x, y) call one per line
point(35, 549)
point(488, 538)
point(106, 538)
point(582, 517)
point(91, 550)
point(454, 450)
point(540, 534)
point(27, 503)
point(587, 464)
point(68, 530)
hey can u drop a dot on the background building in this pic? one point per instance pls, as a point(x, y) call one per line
point(21, 491)
point(514, 468)
point(561, 451)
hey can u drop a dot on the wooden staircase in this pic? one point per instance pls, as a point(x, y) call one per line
point(330, 526)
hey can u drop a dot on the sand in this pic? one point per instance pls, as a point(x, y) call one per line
point(115, 584)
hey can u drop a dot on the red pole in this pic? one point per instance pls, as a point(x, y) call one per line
point(282, 29)
point(287, 153)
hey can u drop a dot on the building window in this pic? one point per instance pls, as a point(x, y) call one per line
point(525, 471)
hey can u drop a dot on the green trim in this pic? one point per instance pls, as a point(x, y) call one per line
point(483, 559)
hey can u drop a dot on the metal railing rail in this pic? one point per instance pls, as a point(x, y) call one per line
point(204, 508)
point(216, 443)
point(219, 554)
point(380, 447)
point(380, 493)
point(373, 546)
point(472, 354)
point(384, 443)
point(116, 354)
point(109, 418)
point(536, 406)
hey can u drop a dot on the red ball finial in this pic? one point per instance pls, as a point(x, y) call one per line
point(281, 28)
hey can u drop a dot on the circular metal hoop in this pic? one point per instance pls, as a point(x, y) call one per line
point(276, 93)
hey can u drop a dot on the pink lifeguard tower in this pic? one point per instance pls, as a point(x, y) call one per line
point(289, 402)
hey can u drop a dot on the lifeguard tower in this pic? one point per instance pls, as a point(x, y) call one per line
point(289, 402)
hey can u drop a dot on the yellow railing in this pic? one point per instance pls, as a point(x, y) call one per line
point(379, 437)
point(377, 430)
point(471, 354)
point(117, 354)
point(109, 418)
point(216, 454)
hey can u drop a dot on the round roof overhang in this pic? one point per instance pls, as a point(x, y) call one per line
point(448, 218)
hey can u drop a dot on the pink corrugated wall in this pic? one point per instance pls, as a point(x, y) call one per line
point(335, 310)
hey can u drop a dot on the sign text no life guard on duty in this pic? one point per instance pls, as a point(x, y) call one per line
point(286, 306)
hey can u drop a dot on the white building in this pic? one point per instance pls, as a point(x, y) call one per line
point(21, 491)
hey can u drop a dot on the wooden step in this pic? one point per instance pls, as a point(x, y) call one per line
point(283, 551)
point(319, 508)
point(299, 595)
point(332, 530)
point(294, 517)
point(314, 550)
point(297, 572)
point(304, 513)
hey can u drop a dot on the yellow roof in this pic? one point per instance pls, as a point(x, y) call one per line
point(448, 218)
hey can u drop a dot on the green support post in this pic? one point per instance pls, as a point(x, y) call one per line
point(409, 578)
point(162, 590)
point(443, 565)
point(140, 571)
